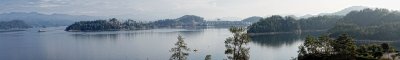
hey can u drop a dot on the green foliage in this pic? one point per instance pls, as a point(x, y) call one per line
point(14, 24)
point(277, 23)
point(104, 25)
point(190, 19)
point(235, 48)
point(314, 48)
point(369, 24)
point(274, 23)
point(180, 52)
point(342, 48)
point(319, 22)
point(344, 45)
point(166, 23)
point(186, 20)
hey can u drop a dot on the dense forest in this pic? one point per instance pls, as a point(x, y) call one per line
point(104, 25)
point(13, 24)
point(324, 22)
point(274, 23)
point(278, 23)
point(184, 21)
point(343, 48)
point(114, 24)
point(369, 23)
point(363, 24)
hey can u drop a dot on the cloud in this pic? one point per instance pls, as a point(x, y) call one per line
point(52, 3)
point(155, 9)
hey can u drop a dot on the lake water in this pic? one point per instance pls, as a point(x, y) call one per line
point(154, 44)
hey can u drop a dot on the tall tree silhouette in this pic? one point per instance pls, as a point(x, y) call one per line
point(235, 48)
point(208, 57)
point(180, 52)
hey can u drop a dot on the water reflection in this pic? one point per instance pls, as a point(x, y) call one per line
point(278, 40)
point(154, 44)
point(96, 36)
point(275, 40)
point(20, 45)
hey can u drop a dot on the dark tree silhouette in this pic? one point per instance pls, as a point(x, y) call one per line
point(208, 57)
point(385, 47)
point(343, 48)
point(235, 48)
point(180, 52)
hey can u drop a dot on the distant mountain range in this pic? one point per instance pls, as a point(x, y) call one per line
point(13, 24)
point(342, 12)
point(38, 19)
point(252, 19)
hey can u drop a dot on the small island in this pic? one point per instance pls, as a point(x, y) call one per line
point(110, 25)
point(186, 21)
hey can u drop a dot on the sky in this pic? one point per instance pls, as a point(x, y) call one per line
point(209, 9)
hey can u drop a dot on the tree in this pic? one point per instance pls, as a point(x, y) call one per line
point(345, 47)
point(235, 49)
point(180, 52)
point(208, 57)
point(314, 48)
point(385, 47)
point(110, 25)
point(369, 24)
point(274, 23)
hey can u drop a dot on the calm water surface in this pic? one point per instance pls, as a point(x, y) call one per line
point(56, 44)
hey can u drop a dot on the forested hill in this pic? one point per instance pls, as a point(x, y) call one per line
point(252, 19)
point(13, 24)
point(274, 23)
point(114, 24)
point(278, 23)
point(185, 21)
point(110, 25)
point(370, 24)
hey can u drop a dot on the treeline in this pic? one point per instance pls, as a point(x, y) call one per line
point(278, 23)
point(114, 24)
point(13, 24)
point(377, 24)
point(363, 24)
point(184, 21)
point(110, 25)
point(324, 22)
point(274, 23)
point(343, 48)
point(252, 19)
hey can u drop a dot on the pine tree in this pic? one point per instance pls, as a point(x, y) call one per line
point(180, 52)
point(235, 48)
point(208, 57)
point(344, 45)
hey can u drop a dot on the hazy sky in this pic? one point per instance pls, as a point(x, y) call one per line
point(174, 8)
